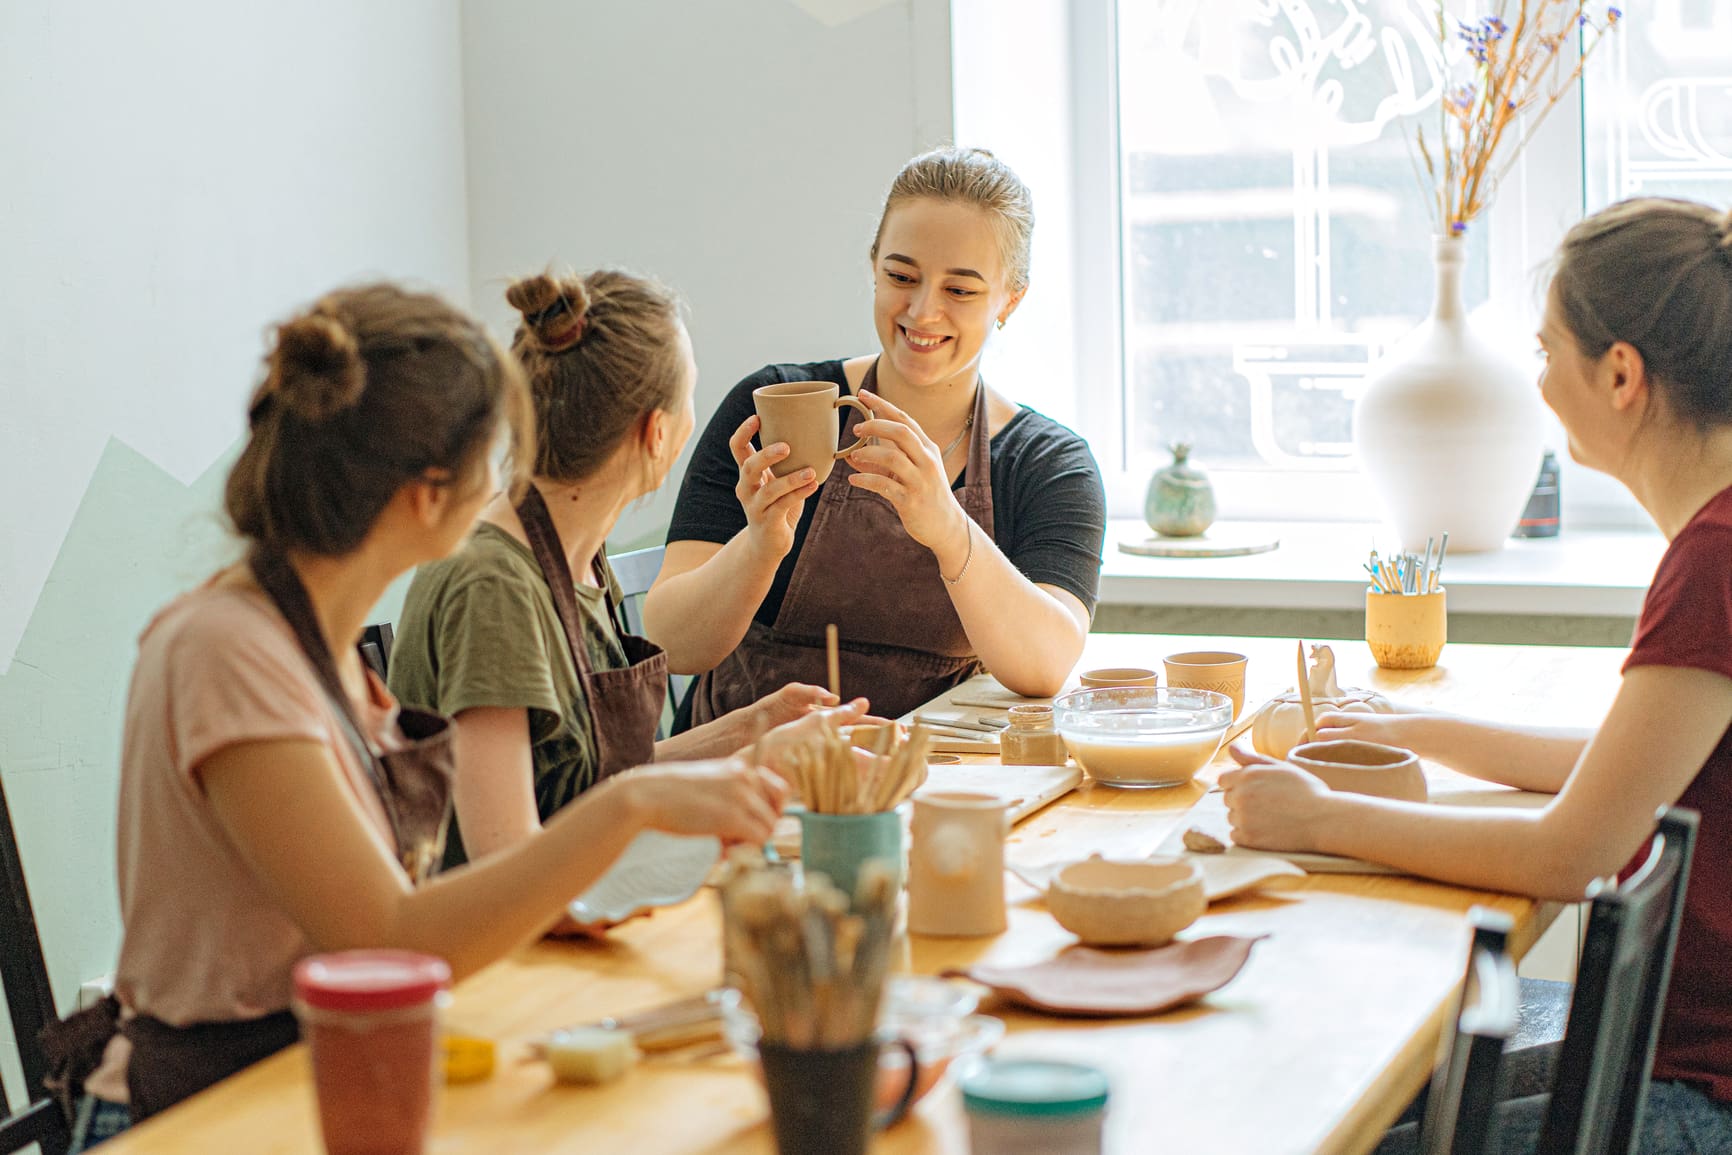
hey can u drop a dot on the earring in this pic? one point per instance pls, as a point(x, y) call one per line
point(1001, 322)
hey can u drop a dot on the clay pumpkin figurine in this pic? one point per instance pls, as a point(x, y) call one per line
point(1281, 725)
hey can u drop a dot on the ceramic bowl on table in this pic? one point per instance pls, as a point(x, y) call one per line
point(934, 1016)
point(1356, 767)
point(1143, 736)
point(1138, 903)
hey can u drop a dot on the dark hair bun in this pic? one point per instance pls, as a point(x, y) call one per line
point(316, 369)
point(555, 311)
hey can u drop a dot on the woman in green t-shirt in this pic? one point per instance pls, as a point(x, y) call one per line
point(518, 634)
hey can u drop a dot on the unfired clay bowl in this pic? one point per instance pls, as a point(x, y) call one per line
point(1143, 903)
point(1363, 768)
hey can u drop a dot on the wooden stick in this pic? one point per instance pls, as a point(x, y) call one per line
point(834, 660)
point(1305, 696)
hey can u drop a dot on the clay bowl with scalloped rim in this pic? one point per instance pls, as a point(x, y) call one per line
point(1142, 903)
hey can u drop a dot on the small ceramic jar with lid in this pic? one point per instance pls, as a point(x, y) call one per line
point(1034, 1107)
point(1031, 740)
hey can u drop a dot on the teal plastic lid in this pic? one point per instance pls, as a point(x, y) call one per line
point(1033, 1087)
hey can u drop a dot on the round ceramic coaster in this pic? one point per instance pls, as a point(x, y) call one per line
point(1216, 541)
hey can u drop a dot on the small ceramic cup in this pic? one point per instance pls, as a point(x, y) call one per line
point(1406, 631)
point(804, 414)
point(1117, 676)
point(1356, 767)
point(1217, 670)
point(838, 845)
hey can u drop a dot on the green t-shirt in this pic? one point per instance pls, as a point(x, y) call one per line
point(479, 629)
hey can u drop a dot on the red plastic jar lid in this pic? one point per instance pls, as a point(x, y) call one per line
point(370, 980)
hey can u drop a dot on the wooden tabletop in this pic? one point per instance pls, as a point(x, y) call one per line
point(1316, 1046)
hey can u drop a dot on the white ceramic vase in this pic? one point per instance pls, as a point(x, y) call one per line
point(1449, 428)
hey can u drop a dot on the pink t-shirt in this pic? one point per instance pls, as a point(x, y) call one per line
point(205, 940)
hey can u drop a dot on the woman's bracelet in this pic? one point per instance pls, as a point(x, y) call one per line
point(968, 527)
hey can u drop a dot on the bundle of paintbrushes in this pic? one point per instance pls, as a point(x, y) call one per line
point(812, 968)
point(830, 779)
point(1409, 573)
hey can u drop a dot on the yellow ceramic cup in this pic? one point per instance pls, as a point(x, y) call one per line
point(1217, 670)
point(1406, 631)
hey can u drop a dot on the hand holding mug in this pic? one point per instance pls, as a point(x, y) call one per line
point(906, 468)
point(772, 504)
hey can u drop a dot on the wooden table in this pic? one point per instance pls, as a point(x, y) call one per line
point(1316, 1046)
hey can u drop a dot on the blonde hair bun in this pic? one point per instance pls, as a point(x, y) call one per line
point(316, 369)
point(555, 310)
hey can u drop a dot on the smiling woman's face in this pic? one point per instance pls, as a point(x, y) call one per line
point(939, 288)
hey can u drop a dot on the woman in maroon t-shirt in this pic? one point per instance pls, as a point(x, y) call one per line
point(1638, 344)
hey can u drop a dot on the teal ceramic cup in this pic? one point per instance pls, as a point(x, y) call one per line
point(838, 845)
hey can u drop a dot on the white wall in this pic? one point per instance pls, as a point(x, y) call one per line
point(173, 175)
point(737, 151)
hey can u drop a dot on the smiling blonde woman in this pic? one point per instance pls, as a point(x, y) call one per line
point(966, 535)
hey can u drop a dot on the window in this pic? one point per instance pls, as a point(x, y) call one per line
point(1243, 230)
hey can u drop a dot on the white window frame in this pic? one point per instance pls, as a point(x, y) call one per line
point(1003, 69)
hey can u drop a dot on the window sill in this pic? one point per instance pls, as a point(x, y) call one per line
point(1581, 573)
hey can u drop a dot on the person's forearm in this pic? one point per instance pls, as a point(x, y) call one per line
point(1025, 637)
point(715, 739)
point(470, 922)
point(1507, 850)
point(1526, 757)
point(700, 616)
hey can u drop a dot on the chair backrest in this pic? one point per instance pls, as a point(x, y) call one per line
point(40, 1123)
point(29, 999)
point(1468, 1081)
point(636, 571)
point(1601, 1087)
point(375, 647)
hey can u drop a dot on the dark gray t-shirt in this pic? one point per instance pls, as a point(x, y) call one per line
point(1048, 505)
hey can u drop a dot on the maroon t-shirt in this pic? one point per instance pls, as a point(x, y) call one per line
point(1687, 621)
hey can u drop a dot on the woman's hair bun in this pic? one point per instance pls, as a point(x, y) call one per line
point(316, 369)
point(555, 310)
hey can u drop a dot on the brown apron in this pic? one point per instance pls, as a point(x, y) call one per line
point(902, 642)
point(171, 1063)
point(625, 705)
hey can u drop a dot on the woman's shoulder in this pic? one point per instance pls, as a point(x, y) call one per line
point(1031, 436)
point(218, 616)
point(490, 555)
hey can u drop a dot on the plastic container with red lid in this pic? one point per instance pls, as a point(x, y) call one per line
point(371, 1021)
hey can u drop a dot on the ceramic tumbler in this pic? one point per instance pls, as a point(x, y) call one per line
point(956, 864)
point(804, 414)
point(1217, 670)
point(1117, 676)
point(1406, 631)
point(821, 1099)
point(838, 845)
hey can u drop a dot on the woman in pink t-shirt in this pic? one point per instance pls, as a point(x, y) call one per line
point(1637, 337)
point(273, 800)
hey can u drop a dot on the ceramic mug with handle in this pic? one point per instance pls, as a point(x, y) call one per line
point(805, 415)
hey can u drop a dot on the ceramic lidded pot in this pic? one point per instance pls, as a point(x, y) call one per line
point(1180, 502)
point(1140, 903)
point(1280, 725)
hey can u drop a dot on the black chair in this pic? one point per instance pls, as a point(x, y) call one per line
point(636, 572)
point(1601, 1087)
point(1468, 1082)
point(29, 1001)
point(375, 647)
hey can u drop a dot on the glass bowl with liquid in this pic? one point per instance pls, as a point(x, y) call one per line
point(1143, 736)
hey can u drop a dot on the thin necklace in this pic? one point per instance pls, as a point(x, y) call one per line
point(966, 426)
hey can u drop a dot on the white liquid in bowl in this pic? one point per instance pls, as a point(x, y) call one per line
point(1147, 760)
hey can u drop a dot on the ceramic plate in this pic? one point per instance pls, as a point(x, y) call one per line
point(657, 869)
point(1092, 983)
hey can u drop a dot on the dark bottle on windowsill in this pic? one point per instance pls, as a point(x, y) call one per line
point(1540, 518)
